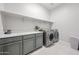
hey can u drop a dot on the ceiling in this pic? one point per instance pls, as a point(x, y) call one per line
point(50, 6)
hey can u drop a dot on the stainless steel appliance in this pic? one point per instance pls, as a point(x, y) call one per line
point(56, 35)
point(50, 37)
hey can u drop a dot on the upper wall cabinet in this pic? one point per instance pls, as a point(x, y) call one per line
point(28, 9)
point(1, 6)
point(23, 16)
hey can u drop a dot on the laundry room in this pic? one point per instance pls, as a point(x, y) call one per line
point(39, 29)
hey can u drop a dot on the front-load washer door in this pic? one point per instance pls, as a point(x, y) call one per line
point(49, 39)
point(51, 36)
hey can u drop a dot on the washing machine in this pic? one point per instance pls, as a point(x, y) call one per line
point(50, 37)
point(56, 35)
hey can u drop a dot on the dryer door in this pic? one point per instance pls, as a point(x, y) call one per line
point(51, 36)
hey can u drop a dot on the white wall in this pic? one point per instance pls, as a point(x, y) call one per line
point(66, 20)
point(28, 9)
point(20, 24)
point(17, 24)
point(1, 26)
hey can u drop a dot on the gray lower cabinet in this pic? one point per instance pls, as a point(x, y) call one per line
point(1, 49)
point(14, 48)
point(21, 44)
point(39, 41)
point(28, 45)
point(11, 46)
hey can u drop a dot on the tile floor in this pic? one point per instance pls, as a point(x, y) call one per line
point(60, 48)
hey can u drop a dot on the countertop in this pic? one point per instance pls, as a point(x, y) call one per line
point(75, 35)
point(18, 34)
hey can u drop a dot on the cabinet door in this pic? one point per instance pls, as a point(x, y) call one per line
point(39, 41)
point(29, 45)
point(13, 48)
point(1, 50)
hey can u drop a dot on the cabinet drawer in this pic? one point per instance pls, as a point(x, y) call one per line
point(29, 36)
point(39, 34)
point(11, 39)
